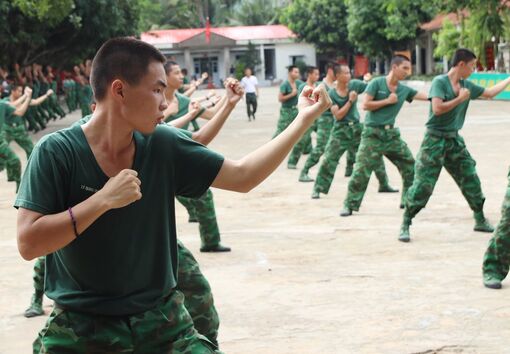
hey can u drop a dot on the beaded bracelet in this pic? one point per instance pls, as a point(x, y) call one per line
point(73, 220)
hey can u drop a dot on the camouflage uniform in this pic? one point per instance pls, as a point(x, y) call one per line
point(443, 146)
point(169, 326)
point(450, 152)
point(53, 99)
point(324, 126)
point(202, 210)
point(343, 138)
point(19, 134)
point(288, 110)
point(8, 158)
point(496, 261)
point(85, 99)
point(379, 138)
point(198, 298)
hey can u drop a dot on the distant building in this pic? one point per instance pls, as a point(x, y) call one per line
point(216, 50)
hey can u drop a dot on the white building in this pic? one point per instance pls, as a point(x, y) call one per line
point(276, 44)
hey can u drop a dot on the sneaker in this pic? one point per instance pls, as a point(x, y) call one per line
point(291, 166)
point(387, 189)
point(348, 172)
point(315, 195)
point(404, 235)
point(346, 212)
point(217, 248)
point(303, 177)
point(491, 282)
point(34, 310)
point(483, 226)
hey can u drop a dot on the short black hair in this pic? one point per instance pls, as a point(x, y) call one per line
point(311, 69)
point(399, 59)
point(464, 55)
point(168, 65)
point(330, 65)
point(291, 67)
point(338, 67)
point(121, 58)
point(184, 71)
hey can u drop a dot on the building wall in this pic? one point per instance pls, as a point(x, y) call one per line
point(285, 52)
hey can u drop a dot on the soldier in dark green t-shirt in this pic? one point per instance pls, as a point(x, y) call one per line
point(98, 201)
point(443, 146)
point(288, 96)
point(312, 77)
point(8, 159)
point(384, 98)
point(346, 134)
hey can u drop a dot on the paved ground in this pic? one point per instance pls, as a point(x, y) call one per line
point(301, 279)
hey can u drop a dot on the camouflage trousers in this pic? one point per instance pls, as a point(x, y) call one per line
point(39, 271)
point(376, 142)
point(287, 115)
point(202, 210)
point(496, 262)
point(10, 161)
point(198, 302)
point(20, 135)
point(168, 328)
point(300, 148)
point(324, 127)
point(343, 138)
point(450, 152)
point(198, 298)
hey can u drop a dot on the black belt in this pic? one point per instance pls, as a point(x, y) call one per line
point(385, 127)
point(443, 134)
point(347, 123)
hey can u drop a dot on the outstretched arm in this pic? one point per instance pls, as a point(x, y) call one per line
point(245, 174)
point(495, 90)
point(209, 131)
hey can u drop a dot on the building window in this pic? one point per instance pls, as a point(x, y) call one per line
point(296, 58)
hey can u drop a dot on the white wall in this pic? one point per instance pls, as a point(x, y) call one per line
point(285, 52)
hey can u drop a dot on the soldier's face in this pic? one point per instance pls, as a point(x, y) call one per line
point(466, 69)
point(403, 70)
point(174, 78)
point(17, 92)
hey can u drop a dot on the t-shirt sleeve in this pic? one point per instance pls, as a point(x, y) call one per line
point(359, 86)
point(9, 109)
point(437, 90)
point(196, 168)
point(410, 94)
point(284, 88)
point(372, 88)
point(44, 182)
point(474, 89)
point(255, 80)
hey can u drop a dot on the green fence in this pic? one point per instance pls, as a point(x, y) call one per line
point(488, 80)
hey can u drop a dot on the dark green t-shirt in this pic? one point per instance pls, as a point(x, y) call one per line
point(6, 110)
point(12, 119)
point(286, 88)
point(453, 120)
point(182, 109)
point(378, 89)
point(126, 261)
point(185, 81)
point(353, 113)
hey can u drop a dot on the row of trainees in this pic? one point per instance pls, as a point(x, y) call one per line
point(339, 130)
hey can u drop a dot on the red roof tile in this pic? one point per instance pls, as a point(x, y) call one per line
point(235, 33)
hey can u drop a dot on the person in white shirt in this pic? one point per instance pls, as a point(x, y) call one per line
point(251, 87)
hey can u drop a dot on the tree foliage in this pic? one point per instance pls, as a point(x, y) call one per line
point(379, 27)
point(321, 22)
point(77, 35)
point(447, 40)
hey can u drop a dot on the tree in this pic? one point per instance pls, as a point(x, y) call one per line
point(254, 12)
point(447, 40)
point(26, 38)
point(377, 28)
point(320, 22)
